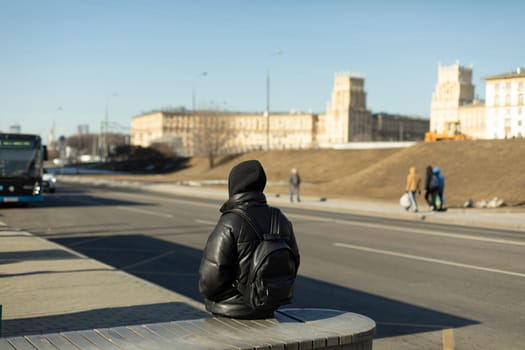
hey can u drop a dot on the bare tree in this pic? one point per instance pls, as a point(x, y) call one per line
point(212, 132)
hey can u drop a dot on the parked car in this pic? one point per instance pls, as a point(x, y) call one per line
point(49, 181)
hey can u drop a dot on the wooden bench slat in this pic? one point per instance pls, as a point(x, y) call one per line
point(118, 339)
point(272, 327)
point(21, 343)
point(61, 342)
point(199, 336)
point(246, 342)
point(256, 340)
point(135, 338)
point(153, 338)
point(4, 344)
point(278, 336)
point(99, 340)
point(169, 337)
point(40, 342)
point(78, 338)
point(353, 328)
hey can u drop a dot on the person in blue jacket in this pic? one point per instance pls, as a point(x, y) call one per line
point(439, 199)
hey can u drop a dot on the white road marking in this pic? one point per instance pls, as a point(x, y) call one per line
point(431, 260)
point(411, 230)
point(148, 212)
point(168, 200)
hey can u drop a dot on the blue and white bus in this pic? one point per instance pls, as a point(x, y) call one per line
point(21, 166)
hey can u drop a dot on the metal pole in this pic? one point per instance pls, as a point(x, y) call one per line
point(193, 100)
point(268, 110)
point(194, 92)
point(106, 119)
point(277, 53)
point(105, 135)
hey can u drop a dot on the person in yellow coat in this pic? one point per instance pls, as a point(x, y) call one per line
point(413, 185)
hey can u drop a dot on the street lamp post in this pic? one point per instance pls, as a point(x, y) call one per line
point(105, 128)
point(277, 53)
point(194, 93)
point(268, 110)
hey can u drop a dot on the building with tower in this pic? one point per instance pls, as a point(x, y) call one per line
point(453, 89)
point(501, 116)
point(347, 118)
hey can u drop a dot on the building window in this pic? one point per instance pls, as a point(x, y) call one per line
point(520, 99)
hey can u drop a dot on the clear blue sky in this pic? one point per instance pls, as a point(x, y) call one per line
point(64, 61)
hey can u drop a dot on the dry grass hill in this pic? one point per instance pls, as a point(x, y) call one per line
point(473, 170)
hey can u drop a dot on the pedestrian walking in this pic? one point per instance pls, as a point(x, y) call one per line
point(439, 194)
point(247, 230)
point(295, 183)
point(429, 187)
point(413, 185)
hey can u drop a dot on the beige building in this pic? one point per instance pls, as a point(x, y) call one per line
point(472, 118)
point(505, 105)
point(224, 132)
point(394, 127)
point(347, 119)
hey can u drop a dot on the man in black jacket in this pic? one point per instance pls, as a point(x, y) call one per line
point(227, 256)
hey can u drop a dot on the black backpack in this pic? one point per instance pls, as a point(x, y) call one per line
point(433, 184)
point(273, 268)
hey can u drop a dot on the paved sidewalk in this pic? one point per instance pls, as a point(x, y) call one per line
point(45, 287)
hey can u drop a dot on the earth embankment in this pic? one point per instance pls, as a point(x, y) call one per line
point(480, 169)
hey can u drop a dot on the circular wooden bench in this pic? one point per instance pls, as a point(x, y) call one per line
point(289, 329)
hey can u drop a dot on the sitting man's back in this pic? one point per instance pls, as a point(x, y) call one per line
point(230, 280)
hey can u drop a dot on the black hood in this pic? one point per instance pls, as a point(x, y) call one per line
point(247, 176)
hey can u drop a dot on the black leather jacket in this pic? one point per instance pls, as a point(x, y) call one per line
point(227, 256)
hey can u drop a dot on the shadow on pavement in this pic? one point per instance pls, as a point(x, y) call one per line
point(47, 254)
point(101, 318)
point(71, 197)
point(175, 267)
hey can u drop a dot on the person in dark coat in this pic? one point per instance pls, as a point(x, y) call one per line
point(227, 255)
point(295, 183)
point(429, 198)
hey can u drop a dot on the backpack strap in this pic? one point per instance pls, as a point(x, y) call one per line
point(274, 223)
point(275, 220)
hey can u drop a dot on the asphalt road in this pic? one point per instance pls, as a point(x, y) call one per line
point(428, 286)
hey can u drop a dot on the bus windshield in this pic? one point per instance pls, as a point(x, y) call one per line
point(19, 162)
